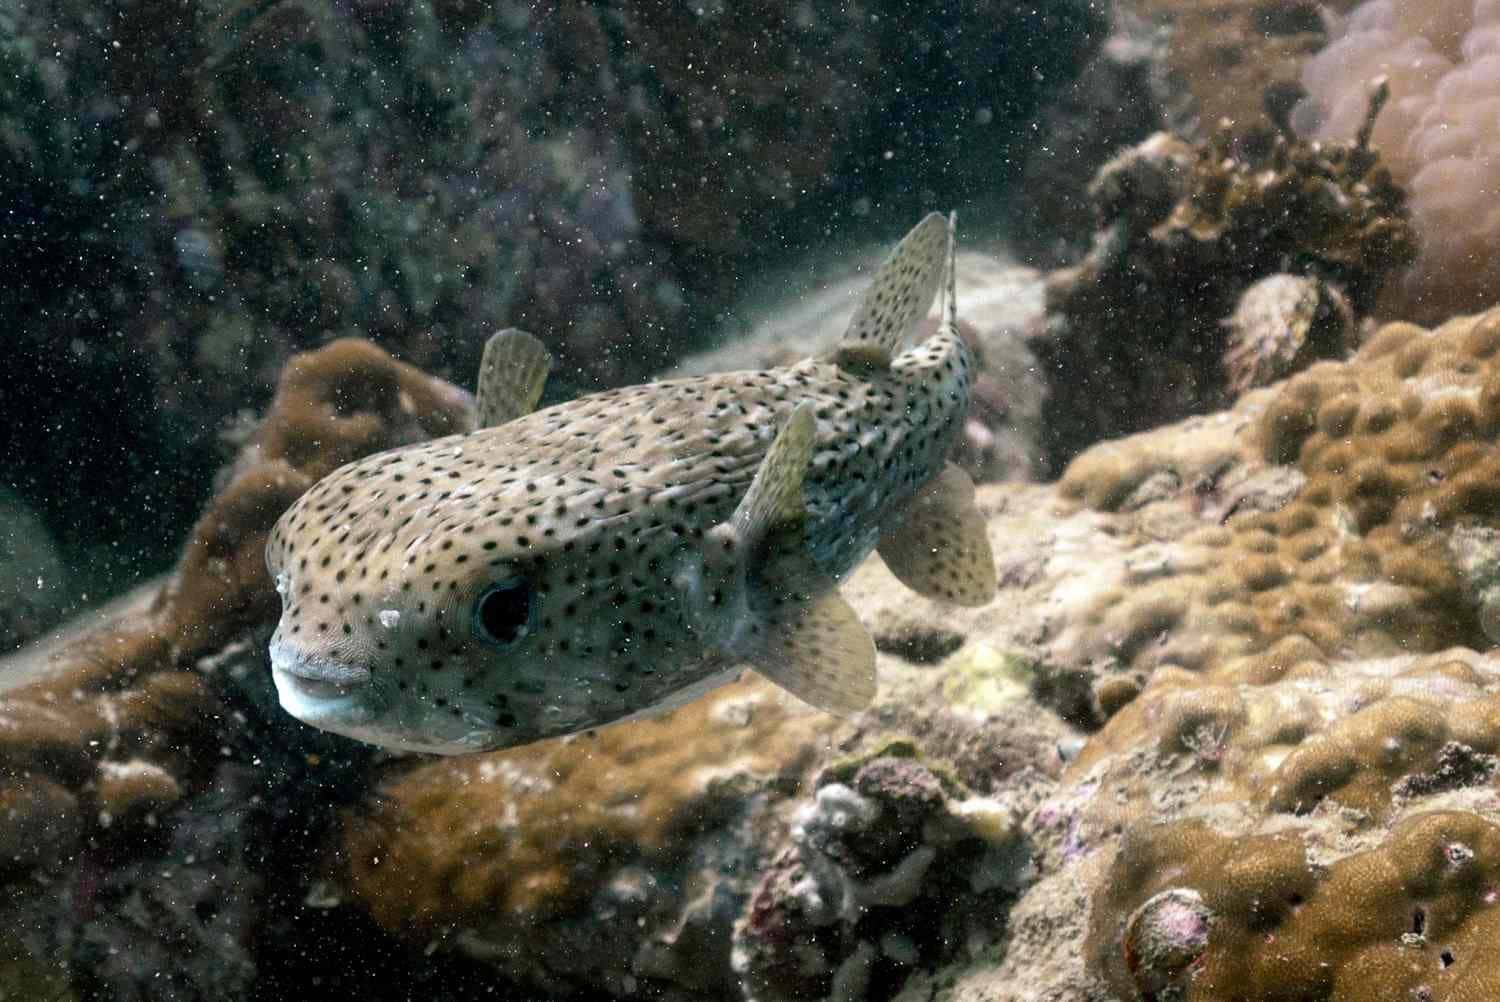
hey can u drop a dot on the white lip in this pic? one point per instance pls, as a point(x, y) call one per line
point(316, 669)
point(318, 691)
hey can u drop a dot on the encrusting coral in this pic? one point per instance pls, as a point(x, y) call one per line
point(118, 719)
point(1411, 917)
point(1136, 333)
point(1379, 461)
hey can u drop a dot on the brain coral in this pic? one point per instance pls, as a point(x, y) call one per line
point(1381, 459)
point(1437, 135)
point(1302, 697)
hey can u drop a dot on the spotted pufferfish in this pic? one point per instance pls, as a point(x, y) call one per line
point(619, 554)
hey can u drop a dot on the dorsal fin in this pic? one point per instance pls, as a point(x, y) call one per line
point(899, 297)
point(950, 283)
point(511, 376)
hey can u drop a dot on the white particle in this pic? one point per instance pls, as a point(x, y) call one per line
point(389, 618)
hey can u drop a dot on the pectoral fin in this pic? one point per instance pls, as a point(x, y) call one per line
point(898, 298)
point(805, 637)
point(939, 548)
point(511, 376)
point(789, 621)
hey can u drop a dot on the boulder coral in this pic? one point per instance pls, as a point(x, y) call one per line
point(1366, 469)
point(116, 745)
point(1296, 681)
point(1410, 917)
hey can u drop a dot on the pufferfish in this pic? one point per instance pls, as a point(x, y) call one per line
point(619, 554)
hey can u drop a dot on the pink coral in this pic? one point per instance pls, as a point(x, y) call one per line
point(1437, 133)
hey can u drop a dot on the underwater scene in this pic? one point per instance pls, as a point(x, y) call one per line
point(591, 500)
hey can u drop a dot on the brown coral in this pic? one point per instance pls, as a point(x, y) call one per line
point(468, 838)
point(1411, 918)
point(1312, 653)
point(116, 717)
point(1386, 456)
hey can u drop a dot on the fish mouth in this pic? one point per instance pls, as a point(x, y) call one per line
point(317, 691)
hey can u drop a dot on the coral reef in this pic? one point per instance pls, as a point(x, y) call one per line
point(1436, 137)
point(659, 855)
point(1136, 332)
point(1300, 737)
point(1407, 918)
point(1230, 732)
point(133, 773)
point(1380, 461)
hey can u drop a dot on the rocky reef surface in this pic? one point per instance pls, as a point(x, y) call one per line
point(1229, 729)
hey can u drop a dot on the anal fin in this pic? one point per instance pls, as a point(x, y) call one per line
point(939, 548)
point(512, 374)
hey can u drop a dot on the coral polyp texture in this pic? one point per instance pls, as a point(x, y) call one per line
point(1437, 135)
point(1371, 467)
point(1290, 666)
point(1410, 917)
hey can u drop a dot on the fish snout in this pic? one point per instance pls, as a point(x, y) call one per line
point(315, 689)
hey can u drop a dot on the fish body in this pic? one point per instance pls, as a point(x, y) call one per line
point(619, 553)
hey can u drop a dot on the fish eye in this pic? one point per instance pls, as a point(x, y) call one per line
point(503, 612)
